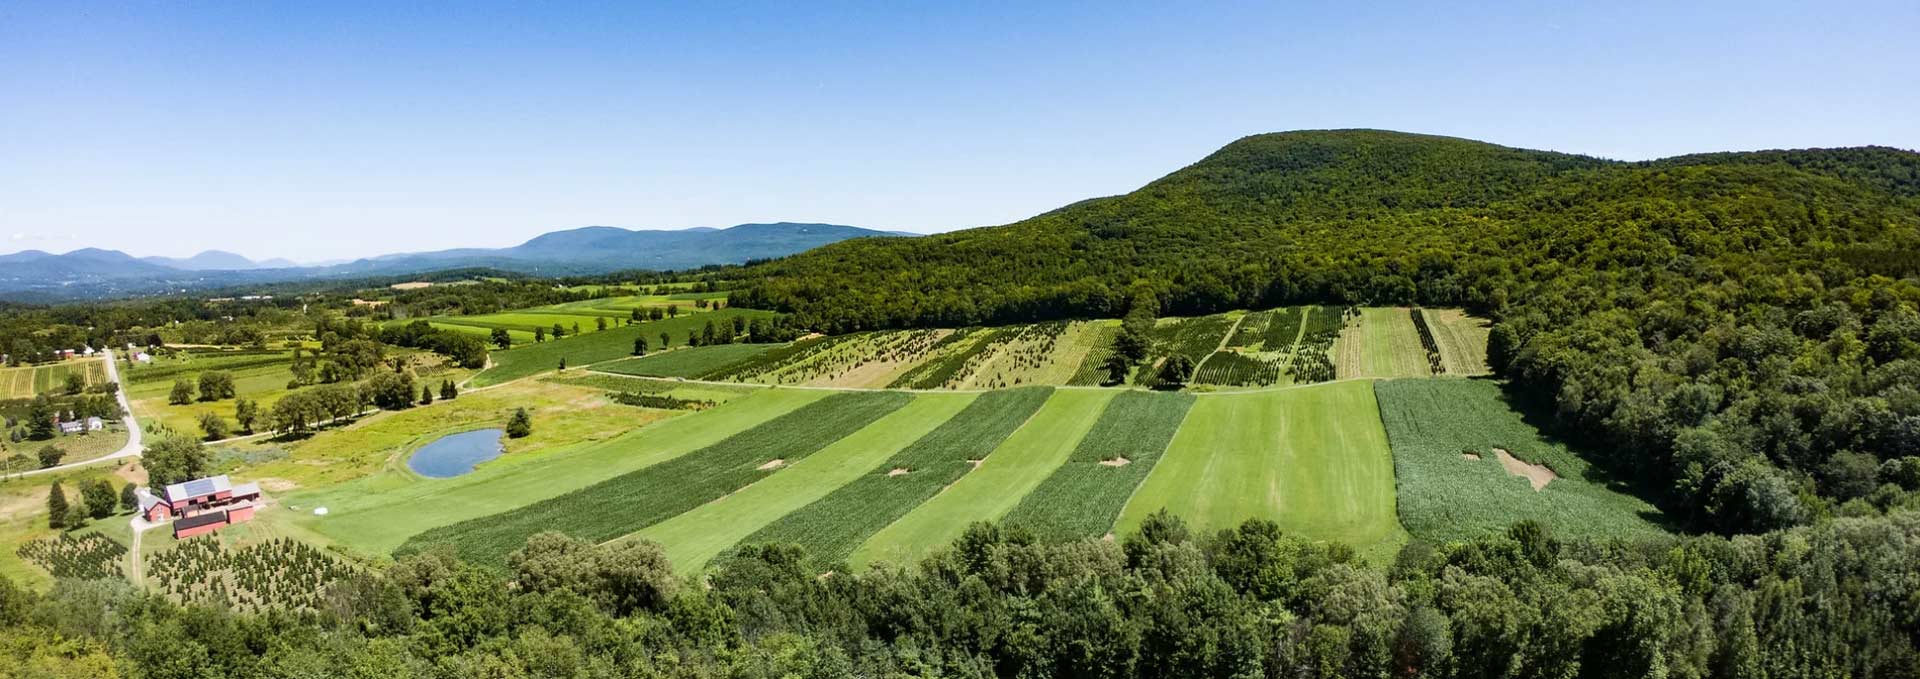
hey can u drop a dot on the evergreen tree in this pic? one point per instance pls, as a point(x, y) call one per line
point(448, 391)
point(56, 506)
point(520, 425)
point(426, 394)
point(639, 346)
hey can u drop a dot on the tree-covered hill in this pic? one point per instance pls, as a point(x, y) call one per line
point(1740, 327)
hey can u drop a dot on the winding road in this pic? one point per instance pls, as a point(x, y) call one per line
point(132, 449)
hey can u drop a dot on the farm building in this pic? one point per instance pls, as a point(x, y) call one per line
point(201, 505)
point(95, 424)
point(72, 427)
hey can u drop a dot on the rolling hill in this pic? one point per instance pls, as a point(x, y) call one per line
point(1691, 315)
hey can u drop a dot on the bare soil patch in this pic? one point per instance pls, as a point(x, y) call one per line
point(1537, 474)
point(1470, 456)
point(774, 463)
point(276, 485)
point(976, 463)
point(1116, 462)
point(898, 471)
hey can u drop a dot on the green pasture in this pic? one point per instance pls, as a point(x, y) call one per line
point(1312, 459)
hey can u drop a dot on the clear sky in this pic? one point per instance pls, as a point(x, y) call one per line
point(336, 129)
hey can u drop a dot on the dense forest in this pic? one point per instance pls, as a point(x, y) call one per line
point(1836, 600)
point(1738, 328)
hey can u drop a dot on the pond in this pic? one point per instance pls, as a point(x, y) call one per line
point(455, 454)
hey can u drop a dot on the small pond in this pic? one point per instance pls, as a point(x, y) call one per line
point(455, 454)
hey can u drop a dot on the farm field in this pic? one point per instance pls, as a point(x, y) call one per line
point(1313, 459)
point(692, 391)
point(378, 510)
point(692, 362)
point(1462, 339)
point(694, 538)
point(1084, 496)
point(628, 502)
point(1447, 435)
point(832, 527)
point(257, 376)
point(1381, 342)
point(595, 347)
point(26, 381)
point(992, 488)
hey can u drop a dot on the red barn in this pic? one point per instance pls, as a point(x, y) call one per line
point(202, 505)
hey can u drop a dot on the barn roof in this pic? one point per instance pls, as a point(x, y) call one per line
point(198, 520)
point(198, 488)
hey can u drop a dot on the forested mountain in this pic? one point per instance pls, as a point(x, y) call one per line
point(1740, 328)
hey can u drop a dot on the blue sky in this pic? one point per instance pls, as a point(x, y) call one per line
point(335, 129)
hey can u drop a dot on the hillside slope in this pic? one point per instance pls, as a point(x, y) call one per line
point(1739, 328)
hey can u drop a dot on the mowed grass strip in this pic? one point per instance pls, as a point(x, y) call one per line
point(1083, 497)
point(375, 514)
point(1462, 340)
point(1019, 464)
point(1384, 344)
point(606, 345)
point(833, 526)
point(1312, 459)
point(1434, 423)
point(696, 537)
point(688, 362)
point(638, 499)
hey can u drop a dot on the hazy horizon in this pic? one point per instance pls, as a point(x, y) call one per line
point(339, 131)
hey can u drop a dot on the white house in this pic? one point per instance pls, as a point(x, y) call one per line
point(71, 427)
point(95, 424)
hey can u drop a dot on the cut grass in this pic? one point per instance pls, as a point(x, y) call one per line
point(833, 526)
point(594, 347)
point(693, 391)
point(1383, 343)
point(1443, 495)
point(641, 498)
point(1312, 459)
point(688, 362)
point(1083, 497)
point(987, 493)
point(694, 538)
point(1462, 339)
point(376, 514)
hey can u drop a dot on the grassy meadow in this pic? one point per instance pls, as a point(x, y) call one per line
point(1313, 459)
point(29, 381)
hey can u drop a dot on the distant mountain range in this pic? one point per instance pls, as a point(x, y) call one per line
point(93, 272)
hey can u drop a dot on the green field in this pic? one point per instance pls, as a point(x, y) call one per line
point(634, 500)
point(376, 514)
point(1083, 498)
point(1313, 459)
point(261, 377)
point(1383, 343)
point(1434, 423)
point(689, 361)
point(25, 382)
point(595, 347)
point(697, 536)
point(833, 526)
point(988, 492)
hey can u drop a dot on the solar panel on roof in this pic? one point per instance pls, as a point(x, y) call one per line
point(199, 487)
